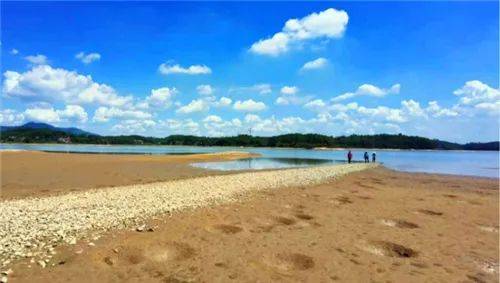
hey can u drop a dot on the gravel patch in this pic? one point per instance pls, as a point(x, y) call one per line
point(31, 228)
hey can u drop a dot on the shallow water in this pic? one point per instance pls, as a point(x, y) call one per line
point(264, 163)
point(474, 163)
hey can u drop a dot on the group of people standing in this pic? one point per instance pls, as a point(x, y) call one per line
point(366, 157)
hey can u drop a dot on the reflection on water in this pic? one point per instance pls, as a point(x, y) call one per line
point(263, 163)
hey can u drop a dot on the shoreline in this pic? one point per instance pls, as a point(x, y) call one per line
point(243, 147)
point(37, 173)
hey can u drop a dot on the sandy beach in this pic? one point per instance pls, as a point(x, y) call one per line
point(32, 173)
point(352, 223)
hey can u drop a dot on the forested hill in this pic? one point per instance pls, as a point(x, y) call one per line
point(38, 133)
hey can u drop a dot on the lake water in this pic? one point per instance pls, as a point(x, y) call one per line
point(474, 163)
point(264, 163)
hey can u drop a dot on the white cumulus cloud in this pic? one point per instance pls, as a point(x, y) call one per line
point(477, 91)
point(10, 117)
point(161, 97)
point(104, 114)
point(167, 69)
point(205, 89)
point(197, 105)
point(369, 90)
point(289, 90)
point(330, 23)
point(88, 58)
point(262, 88)
point(315, 64)
point(249, 105)
point(44, 83)
point(37, 59)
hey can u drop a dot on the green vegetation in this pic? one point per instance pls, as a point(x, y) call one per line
point(56, 135)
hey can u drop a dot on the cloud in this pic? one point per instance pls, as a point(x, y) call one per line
point(412, 108)
point(104, 114)
point(166, 69)
point(197, 105)
point(216, 126)
point(476, 91)
point(48, 115)
point(317, 105)
point(259, 88)
point(326, 24)
point(369, 90)
point(252, 118)
point(289, 90)
point(44, 83)
point(37, 59)
point(315, 64)
point(10, 117)
point(133, 126)
point(222, 102)
point(249, 106)
point(204, 104)
point(173, 126)
point(161, 97)
point(88, 58)
point(14, 51)
point(205, 89)
point(435, 110)
point(212, 119)
point(73, 113)
point(289, 95)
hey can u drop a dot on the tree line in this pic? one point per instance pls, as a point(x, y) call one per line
point(296, 140)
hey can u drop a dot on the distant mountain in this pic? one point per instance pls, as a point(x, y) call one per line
point(44, 133)
point(44, 126)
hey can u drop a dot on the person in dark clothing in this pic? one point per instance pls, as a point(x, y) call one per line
point(367, 158)
point(374, 157)
point(349, 156)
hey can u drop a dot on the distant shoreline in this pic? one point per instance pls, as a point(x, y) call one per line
point(233, 146)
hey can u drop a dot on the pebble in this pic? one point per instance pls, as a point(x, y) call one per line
point(42, 263)
point(4, 279)
point(48, 221)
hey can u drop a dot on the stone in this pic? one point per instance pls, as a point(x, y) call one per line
point(42, 263)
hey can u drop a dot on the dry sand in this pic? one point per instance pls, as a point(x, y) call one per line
point(31, 173)
point(376, 225)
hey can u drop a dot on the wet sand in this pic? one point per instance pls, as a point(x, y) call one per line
point(31, 173)
point(376, 225)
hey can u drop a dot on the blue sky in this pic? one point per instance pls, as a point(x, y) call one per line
point(224, 68)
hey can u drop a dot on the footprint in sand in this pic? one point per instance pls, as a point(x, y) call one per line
point(399, 223)
point(174, 251)
point(286, 262)
point(284, 220)
point(228, 229)
point(342, 200)
point(389, 249)
point(303, 216)
point(430, 212)
point(365, 197)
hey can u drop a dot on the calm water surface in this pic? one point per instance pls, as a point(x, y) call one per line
point(474, 163)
